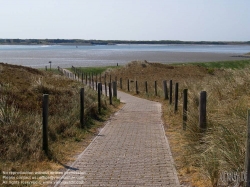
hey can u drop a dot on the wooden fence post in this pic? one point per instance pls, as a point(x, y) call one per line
point(89, 80)
point(82, 107)
point(121, 83)
point(50, 65)
point(115, 89)
point(110, 94)
point(96, 83)
point(146, 87)
point(203, 111)
point(165, 89)
point(128, 85)
point(46, 68)
point(93, 82)
point(99, 97)
point(45, 123)
point(155, 88)
point(136, 87)
point(247, 158)
point(170, 91)
point(101, 88)
point(92, 79)
point(185, 100)
point(105, 84)
point(176, 97)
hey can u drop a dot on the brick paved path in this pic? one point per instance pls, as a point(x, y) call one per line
point(131, 150)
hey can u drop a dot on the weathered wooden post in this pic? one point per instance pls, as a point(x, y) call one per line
point(115, 89)
point(89, 80)
point(146, 86)
point(50, 65)
point(185, 100)
point(92, 79)
point(128, 85)
point(170, 91)
point(247, 158)
point(46, 68)
point(82, 107)
point(96, 83)
point(121, 83)
point(93, 82)
point(45, 123)
point(110, 94)
point(203, 111)
point(155, 88)
point(105, 85)
point(165, 89)
point(99, 97)
point(136, 87)
point(176, 97)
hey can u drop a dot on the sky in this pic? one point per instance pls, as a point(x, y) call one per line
point(187, 20)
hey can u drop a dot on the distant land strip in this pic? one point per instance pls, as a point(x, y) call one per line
point(110, 42)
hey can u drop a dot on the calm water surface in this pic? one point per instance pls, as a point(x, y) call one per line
point(102, 55)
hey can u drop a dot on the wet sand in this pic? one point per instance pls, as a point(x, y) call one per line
point(175, 57)
point(162, 57)
point(40, 59)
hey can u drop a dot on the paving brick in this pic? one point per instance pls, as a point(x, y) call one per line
point(131, 149)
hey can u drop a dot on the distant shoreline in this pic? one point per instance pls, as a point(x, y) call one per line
point(79, 42)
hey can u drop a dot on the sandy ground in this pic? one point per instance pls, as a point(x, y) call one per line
point(109, 59)
point(162, 57)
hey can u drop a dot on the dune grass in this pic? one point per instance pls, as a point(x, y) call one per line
point(236, 64)
point(21, 90)
point(95, 70)
point(200, 157)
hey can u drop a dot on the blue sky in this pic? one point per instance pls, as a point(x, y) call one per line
point(188, 20)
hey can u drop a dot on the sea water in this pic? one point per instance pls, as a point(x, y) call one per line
point(106, 55)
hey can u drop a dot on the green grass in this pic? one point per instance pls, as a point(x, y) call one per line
point(236, 64)
point(53, 70)
point(95, 70)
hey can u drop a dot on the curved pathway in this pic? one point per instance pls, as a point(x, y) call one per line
point(131, 150)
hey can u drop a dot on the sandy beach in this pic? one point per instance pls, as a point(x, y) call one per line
point(106, 56)
point(162, 57)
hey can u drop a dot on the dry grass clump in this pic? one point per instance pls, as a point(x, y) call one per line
point(201, 157)
point(222, 147)
point(21, 91)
